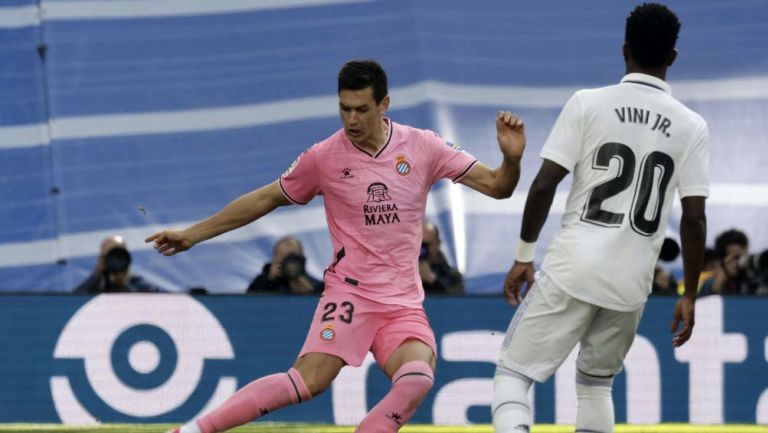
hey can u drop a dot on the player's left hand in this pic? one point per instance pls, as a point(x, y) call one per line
point(685, 312)
point(519, 274)
point(510, 133)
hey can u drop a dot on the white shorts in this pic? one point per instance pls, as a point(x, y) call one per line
point(549, 323)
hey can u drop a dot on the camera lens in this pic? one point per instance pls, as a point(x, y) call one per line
point(292, 266)
point(756, 263)
point(117, 260)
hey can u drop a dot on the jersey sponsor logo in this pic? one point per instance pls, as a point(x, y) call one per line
point(378, 192)
point(402, 166)
point(380, 212)
point(143, 361)
point(377, 215)
point(328, 334)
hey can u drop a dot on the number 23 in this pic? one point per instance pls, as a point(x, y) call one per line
point(330, 308)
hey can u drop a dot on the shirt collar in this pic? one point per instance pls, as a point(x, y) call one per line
point(647, 80)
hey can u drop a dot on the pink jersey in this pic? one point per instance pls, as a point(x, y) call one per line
point(374, 206)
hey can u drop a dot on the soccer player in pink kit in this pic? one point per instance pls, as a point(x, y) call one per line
point(374, 175)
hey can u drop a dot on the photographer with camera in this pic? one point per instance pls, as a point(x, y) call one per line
point(437, 275)
point(737, 272)
point(286, 273)
point(112, 272)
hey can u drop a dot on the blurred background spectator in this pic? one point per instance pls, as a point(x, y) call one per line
point(710, 264)
point(113, 271)
point(437, 275)
point(664, 282)
point(286, 273)
point(736, 271)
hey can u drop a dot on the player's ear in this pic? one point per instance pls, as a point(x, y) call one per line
point(672, 57)
point(384, 105)
point(625, 52)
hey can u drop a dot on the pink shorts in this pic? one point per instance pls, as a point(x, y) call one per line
point(348, 326)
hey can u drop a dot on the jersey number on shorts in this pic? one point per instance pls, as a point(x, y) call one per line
point(652, 163)
point(330, 308)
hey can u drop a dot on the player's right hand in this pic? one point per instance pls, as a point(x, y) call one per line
point(510, 133)
point(170, 242)
point(685, 312)
point(513, 284)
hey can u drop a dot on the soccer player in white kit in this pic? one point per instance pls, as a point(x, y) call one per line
point(630, 147)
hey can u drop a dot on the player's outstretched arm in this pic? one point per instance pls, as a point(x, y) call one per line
point(243, 210)
point(693, 235)
point(500, 182)
point(539, 200)
point(537, 206)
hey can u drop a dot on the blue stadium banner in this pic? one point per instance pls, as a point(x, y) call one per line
point(167, 358)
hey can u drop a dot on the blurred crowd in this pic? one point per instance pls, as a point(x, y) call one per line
point(730, 268)
point(285, 273)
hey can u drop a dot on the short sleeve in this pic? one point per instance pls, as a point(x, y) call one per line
point(694, 173)
point(564, 144)
point(300, 183)
point(448, 159)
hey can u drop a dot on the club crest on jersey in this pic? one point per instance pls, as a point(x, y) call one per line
point(402, 166)
point(328, 334)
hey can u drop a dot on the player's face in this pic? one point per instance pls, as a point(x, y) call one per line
point(361, 115)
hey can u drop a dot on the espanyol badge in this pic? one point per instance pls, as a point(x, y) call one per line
point(328, 334)
point(402, 166)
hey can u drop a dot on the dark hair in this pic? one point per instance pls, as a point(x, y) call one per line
point(359, 74)
point(729, 237)
point(651, 34)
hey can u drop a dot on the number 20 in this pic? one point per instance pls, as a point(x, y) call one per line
point(646, 227)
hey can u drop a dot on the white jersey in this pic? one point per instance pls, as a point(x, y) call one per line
point(630, 147)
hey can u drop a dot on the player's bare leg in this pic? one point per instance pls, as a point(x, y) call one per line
point(318, 370)
point(311, 375)
point(411, 368)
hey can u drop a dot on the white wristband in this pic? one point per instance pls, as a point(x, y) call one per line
point(525, 251)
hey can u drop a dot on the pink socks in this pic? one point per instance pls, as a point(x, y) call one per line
point(410, 384)
point(256, 399)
